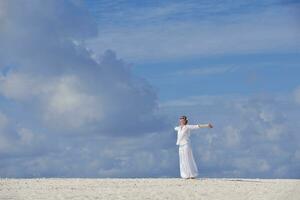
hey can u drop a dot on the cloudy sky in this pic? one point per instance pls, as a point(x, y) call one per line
point(94, 88)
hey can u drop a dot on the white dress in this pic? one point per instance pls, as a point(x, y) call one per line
point(187, 164)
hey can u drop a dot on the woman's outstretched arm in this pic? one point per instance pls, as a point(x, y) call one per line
point(199, 126)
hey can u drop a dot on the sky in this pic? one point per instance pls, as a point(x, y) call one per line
point(94, 88)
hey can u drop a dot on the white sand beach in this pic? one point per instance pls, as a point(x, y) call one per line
point(149, 188)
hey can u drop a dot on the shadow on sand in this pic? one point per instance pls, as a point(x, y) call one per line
point(241, 180)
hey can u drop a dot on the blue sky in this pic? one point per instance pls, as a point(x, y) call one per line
point(218, 37)
point(94, 88)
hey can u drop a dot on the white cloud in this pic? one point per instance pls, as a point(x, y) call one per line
point(232, 136)
point(206, 71)
point(60, 97)
point(65, 104)
point(223, 34)
point(20, 86)
point(297, 95)
point(202, 100)
point(266, 116)
point(297, 155)
point(282, 171)
point(3, 121)
point(263, 165)
point(252, 164)
point(27, 138)
point(274, 132)
point(251, 137)
point(5, 145)
point(18, 140)
point(64, 85)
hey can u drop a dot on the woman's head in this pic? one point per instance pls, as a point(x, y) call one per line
point(183, 120)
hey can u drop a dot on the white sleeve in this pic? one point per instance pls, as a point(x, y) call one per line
point(203, 125)
point(192, 127)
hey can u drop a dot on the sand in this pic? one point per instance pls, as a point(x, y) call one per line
point(149, 188)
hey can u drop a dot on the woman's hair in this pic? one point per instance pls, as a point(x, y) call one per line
point(185, 119)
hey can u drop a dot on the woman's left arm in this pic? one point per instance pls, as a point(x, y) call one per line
point(192, 127)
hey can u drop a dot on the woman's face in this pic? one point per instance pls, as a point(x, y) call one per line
point(181, 121)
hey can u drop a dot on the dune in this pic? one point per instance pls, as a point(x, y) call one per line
point(149, 188)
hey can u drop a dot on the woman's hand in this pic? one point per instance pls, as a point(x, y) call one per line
point(210, 125)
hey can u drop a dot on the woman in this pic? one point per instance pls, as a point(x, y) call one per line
point(188, 167)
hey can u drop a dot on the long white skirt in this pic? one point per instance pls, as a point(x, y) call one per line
point(188, 167)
